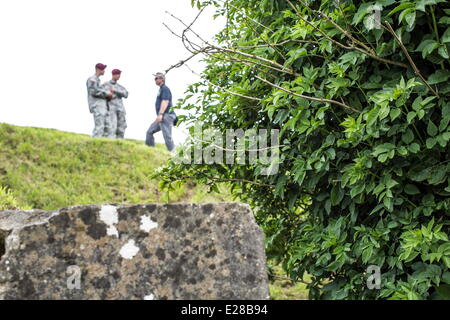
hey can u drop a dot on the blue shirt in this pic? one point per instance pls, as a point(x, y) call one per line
point(163, 94)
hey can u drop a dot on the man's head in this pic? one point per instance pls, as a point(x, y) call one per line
point(160, 79)
point(116, 74)
point(100, 69)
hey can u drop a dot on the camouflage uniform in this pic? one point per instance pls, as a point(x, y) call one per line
point(98, 106)
point(117, 113)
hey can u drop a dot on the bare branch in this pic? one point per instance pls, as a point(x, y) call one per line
point(241, 60)
point(308, 97)
point(246, 181)
point(223, 89)
point(273, 63)
point(268, 43)
point(187, 27)
point(317, 29)
point(192, 44)
point(232, 150)
point(252, 64)
point(278, 66)
point(228, 180)
point(275, 44)
point(411, 62)
point(182, 62)
point(345, 32)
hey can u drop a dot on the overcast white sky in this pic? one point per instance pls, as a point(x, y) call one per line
point(48, 48)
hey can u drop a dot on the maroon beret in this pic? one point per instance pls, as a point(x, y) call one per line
point(100, 66)
point(116, 71)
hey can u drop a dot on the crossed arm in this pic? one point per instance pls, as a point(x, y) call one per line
point(97, 91)
point(120, 92)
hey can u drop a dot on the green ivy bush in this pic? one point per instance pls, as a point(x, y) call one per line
point(364, 167)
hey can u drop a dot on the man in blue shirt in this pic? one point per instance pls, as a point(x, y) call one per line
point(165, 117)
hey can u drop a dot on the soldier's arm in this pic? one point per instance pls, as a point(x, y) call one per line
point(97, 91)
point(121, 92)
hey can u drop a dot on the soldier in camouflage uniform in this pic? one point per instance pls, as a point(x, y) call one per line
point(118, 123)
point(97, 99)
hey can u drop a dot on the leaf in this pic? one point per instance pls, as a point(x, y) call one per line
point(446, 36)
point(428, 200)
point(389, 204)
point(444, 248)
point(446, 136)
point(422, 3)
point(392, 224)
point(328, 206)
point(372, 116)
point(420, 114)
point(382, 148)
point(427, 100)
point(395, 113)
point(361, 13)
point(444, 291)
point(408, 136)
point(444, 124)
point(401, 7)
point(446, 111)
point(427, 47)
point(402, 151)
point(391, 183)
point(414, 148)
point(300, 176)
point(439, 76)
point(410, 17)
point(441, 141)
point(411, 189)
point(279, 189)
point(294, 55)
point(411, 115)
point(382, 158)
point(443, 51)
point(438, 175)
point(337, 194)
point(384, 112)
point(366, 254)
point(432, 130)
point(431, 143)
point(446, 277)
point(354, 191)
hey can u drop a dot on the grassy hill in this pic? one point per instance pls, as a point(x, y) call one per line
point(50, 169)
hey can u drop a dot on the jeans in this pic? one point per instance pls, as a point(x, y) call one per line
point(166, 127)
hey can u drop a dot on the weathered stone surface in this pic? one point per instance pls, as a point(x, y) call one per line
point(174, 251)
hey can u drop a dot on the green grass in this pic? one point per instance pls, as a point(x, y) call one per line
point(282, 288)
point(49, 169)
